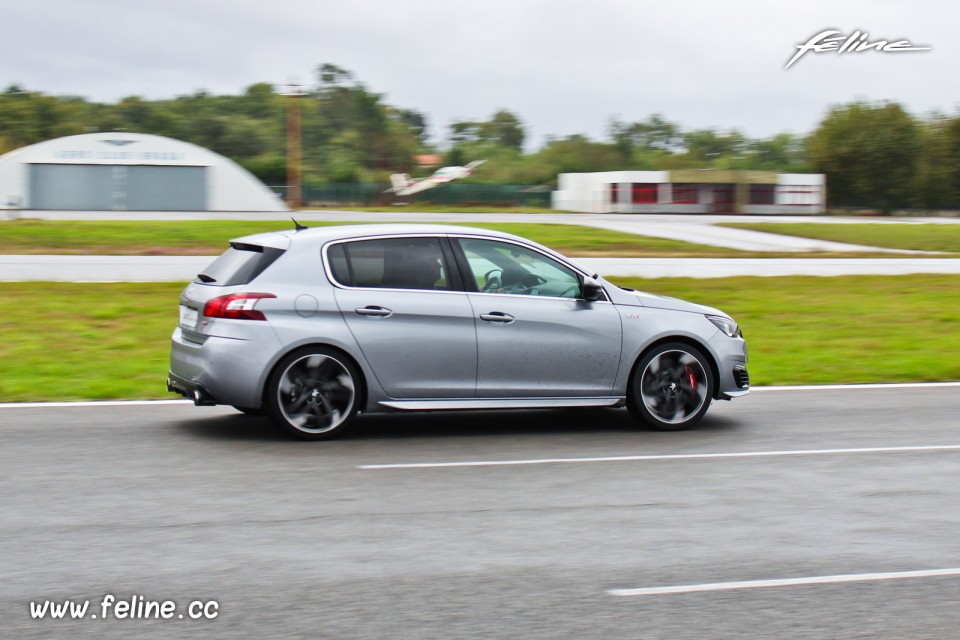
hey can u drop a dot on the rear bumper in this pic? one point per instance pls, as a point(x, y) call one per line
point(189, 389)
point(218, 371)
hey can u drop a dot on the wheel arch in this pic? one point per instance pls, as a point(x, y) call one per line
point(681, 339)
point(364, 384)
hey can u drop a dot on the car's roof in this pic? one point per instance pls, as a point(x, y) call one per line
point(317, 236)
point(321, 235)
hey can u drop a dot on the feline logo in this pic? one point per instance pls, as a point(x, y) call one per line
point(857, 42)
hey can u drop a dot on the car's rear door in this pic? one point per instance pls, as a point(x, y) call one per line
point(408, 313)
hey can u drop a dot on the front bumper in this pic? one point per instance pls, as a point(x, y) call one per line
point(731, 357)
point(742, 381)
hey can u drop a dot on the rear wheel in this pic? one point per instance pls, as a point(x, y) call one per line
point(314, 393)
point(671, 387)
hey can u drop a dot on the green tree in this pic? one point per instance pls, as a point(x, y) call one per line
point(503, 128)
point(415, 121)
point(653, 134)
point(270, 169)
point(260, 102)
point(783, 152)
point(709, 147)
point(869, 153)
point(575, 154)
point(934, 182)
point(381, 137)
point(27, 117)
point(951, 135)
point(465, 131)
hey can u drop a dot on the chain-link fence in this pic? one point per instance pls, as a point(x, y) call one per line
point(465, 195)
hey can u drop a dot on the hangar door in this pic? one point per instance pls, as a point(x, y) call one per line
point(89, 187)
point(71, 186)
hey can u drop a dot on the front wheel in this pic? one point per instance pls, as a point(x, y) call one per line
point(671, 387)
point(314, 393)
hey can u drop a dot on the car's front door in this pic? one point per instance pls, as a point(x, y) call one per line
point(414, 328)
point(536, 336)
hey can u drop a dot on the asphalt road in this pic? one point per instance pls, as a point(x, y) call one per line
point(291, 539)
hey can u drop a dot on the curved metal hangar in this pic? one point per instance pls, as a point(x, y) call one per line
point(128, 172)
point(315, 325)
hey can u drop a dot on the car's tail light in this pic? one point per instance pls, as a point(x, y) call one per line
point(236, 306)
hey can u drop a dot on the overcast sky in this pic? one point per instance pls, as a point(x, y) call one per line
point(563, 66)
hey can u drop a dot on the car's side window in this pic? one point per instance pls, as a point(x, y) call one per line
point(503, 267)
point(390, 263)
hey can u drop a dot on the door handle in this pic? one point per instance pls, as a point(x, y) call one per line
point(497, 317)
point(375, 312)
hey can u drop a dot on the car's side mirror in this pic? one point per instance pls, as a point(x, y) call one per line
point(592, 290)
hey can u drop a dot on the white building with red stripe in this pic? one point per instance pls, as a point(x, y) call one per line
point(692, 191)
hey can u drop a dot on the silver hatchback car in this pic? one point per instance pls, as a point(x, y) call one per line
point(314, 326)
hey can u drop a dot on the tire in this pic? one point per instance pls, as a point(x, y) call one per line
point(671, 387)
point(314, 393)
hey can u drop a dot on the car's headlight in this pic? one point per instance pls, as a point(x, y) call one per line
point(726, 325)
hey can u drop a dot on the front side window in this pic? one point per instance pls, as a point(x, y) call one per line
point(502, 267)
point(389, 263)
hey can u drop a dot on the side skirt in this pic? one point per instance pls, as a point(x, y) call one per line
point(501, 403)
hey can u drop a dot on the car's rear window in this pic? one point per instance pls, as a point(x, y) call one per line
point(239, 264)
point(390, 263)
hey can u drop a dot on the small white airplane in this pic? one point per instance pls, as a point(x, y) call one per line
point(404, 185)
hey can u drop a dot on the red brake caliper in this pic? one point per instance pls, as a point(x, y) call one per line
point(691, 378)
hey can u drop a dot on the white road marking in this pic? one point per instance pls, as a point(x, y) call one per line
point(670, 456)
point(788, 582)
point(97, 403)
point(859, 387)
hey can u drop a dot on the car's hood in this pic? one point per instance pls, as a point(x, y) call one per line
point(675, 304)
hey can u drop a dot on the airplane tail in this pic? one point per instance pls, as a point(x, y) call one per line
point(399, 181)
point(473, 165)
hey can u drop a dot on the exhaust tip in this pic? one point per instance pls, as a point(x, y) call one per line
point(201, 398)
point(173, 387)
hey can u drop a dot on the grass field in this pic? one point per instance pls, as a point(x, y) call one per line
point(62, 341)
point(912, 237)
point(210, 237)
point(847, 329)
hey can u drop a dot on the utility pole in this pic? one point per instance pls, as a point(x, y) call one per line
point(293, 92)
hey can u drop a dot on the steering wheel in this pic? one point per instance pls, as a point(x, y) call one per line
point(492, 282)
point(528, 282)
